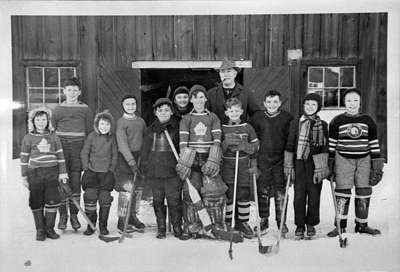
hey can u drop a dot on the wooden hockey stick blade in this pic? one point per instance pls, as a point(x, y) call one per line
point(106, 239)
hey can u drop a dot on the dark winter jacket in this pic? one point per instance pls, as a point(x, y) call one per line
point(160, 163)
point(216, 99)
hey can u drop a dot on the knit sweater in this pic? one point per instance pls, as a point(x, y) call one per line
point(72, 121)
point(272, 133)
point(199, 131)
point(42, 150)
point(245, 130)
point(130, 131)
point(99, 153)
point(353, 136)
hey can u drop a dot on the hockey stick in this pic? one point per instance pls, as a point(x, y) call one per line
point(101, 236)
point(262, 249)
point(230, 251)
point(276, 248)
point(342, 242)
point(128, 213)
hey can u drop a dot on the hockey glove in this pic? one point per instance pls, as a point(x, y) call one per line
point(321, 170)
point(230, 140)
point(288, 165)
point(211, 167)
point(65, 188)
point(254, 169)
point(186, 159)
point(376, 171)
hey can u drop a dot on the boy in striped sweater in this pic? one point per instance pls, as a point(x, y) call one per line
point(72, 120)
point(238, 136)
point(42, 166)
point(354, 158)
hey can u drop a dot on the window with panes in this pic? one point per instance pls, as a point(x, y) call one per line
point(331, 82)
point(44, 85)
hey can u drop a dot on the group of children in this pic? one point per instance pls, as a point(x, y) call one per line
point(216, 160)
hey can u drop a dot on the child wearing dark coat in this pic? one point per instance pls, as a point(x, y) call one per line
point(159, 163)
point(307, 151)
point(99, 159)
point(42, 167)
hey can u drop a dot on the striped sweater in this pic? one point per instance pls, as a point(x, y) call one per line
point(72, 121)
point(42, 150)
point(246, 131)
point(199, 131)
point(353, 136)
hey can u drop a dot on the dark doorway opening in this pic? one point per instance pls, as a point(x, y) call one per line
point(155, 83)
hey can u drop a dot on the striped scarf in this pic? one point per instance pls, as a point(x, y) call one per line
point(317, 138)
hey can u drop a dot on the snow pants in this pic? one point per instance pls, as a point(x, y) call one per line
point(43, 188)
point(72, 153)
point(306, 194)
point(171, 189)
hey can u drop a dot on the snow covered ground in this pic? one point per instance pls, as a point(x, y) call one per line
point(76, 252)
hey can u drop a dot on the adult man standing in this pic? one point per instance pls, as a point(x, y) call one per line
point(229, 88)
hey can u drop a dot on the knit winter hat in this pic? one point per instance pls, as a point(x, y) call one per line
point(180, 90)
point(37, 112)
point(316, 97)
point(353, 90)
point(162, 101)
point(74, 81)
point(197, 88)
point(106, 115)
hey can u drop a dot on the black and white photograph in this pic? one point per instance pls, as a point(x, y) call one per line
point(200, 136)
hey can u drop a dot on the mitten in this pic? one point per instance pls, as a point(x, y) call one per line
point(376, 171)
point(65, 188)
point(321, 170)
point(185, 161)
point(288, 165)
point(133, 166)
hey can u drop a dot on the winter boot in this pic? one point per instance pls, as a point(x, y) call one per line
point(62, 222)
point(299, 232)
point(245, 229)
point(135, 207)
point(120, 225)
point(160, 211)
point(50, 222)
point(310, 231)
point(335, 232)
point(92, 215)
point(185, 232)
point(74, 221)
point(103, 219)
point(39, 223)
point(285, 229)
point(361, 201)
point(364, 228)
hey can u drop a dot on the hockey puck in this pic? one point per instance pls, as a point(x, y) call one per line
point(27, 263)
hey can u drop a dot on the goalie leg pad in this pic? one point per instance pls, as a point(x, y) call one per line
point(213, 186)
point(123, 202)
point(215, 208)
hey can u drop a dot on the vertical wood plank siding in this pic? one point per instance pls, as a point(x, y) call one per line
point(116, 41)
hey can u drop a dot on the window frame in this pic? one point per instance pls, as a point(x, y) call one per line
point(43, 65)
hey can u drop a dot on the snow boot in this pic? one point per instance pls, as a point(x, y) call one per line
point(62, 221)
point(74, 221)
point(299, 232)
point(38, 216)
point(160, 211)
point(285, 229)
point(245, 229)
point(92, 215)
point(310, 231)
point(335, 232)
point(50, 222)
point(103, 219)
point(364, 228)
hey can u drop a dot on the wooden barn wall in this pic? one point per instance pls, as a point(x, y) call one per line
point(115, 41)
